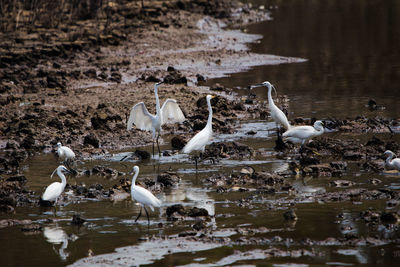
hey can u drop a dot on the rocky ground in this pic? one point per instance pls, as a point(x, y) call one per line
point(76, 82)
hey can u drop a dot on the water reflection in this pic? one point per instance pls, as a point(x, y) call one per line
point(352, 52)
point(56, 236)
point(196, 196)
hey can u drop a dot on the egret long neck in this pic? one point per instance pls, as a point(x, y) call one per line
point(389, 160)
point(158, 109)
point(210, 113)
point(134, 180)
point(270, 100)
point(63, 179)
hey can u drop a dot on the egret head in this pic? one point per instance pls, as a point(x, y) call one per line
point(58, 144)
point(388, 153)
point(267, 84)
point(209, 97)
point(135, 169)
point(157, 85)
point(61, 169)
point(319, 125)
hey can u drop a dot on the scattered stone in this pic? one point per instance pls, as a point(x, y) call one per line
point(290, 215)
point(91, 139)
point(195, 212)
point(77, 219)
point(168, 179)
point(178, 142)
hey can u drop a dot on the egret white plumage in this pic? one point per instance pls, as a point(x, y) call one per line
point(393, 163)
point(199, 141)
point(65, 153)
point(276, 114)
point(54, 190)
point(169, 112)
point(300, 134)
point(143, 196)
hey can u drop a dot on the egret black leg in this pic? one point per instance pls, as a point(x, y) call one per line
point(140, 214)
point(147, 214)
point(153, 147)
point(158, 146)
point(195, 161)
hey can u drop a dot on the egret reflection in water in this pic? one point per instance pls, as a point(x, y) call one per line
point(56, 236)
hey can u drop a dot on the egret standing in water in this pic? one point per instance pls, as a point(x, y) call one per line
point(277, 115)
point(65, 153)
point(393, 163)
point(143, 196)
point(54, 190)
point(140, 116)
point(199, 141)
point(300, 134)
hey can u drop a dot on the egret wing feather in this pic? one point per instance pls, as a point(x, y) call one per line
point(141, 117)
point(52, 191)
point(199, 141)
point(280, 117)
point(396, 163)
point(301, 132)
point(170, 111)
point(145, 197)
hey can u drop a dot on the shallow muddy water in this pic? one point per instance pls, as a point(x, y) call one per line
point(352, 51)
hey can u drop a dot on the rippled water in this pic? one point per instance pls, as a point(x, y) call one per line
point(352, 51)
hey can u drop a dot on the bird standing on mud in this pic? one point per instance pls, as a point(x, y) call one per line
point(140, 116)
point(277, 115)
point(300, 134)
point(199, 141)
point(54, 190)
point(143, 196)
point(393, 163)
point(65, 153)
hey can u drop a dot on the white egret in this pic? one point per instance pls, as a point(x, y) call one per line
point(54, 190)
point(65, 153)
point(393, 163)
point(277, 115)
point(143, 196)
point(169, 112)
point(300, 134)
point(199, 141)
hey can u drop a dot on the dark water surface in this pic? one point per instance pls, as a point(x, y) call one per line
point(353, 52)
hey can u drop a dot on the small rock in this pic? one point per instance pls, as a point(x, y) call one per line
point(31, 228)
point(175, 208)
point(290, 215)
point(77, 220)
point(91, 139)
point(195, 212)
point(178, 142)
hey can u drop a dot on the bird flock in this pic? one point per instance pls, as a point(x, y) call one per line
point(170, 112)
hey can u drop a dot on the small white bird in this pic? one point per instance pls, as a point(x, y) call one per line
point(300, 134)
point(169, 112)
point(54, 190)
point(65, 153)
point(143, 196)
point(199, 141)
point(277, 115)
point(390, 162)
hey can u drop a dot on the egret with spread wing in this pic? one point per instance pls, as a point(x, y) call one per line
point(141, 117)
point(199, 141)
point(143, 196)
